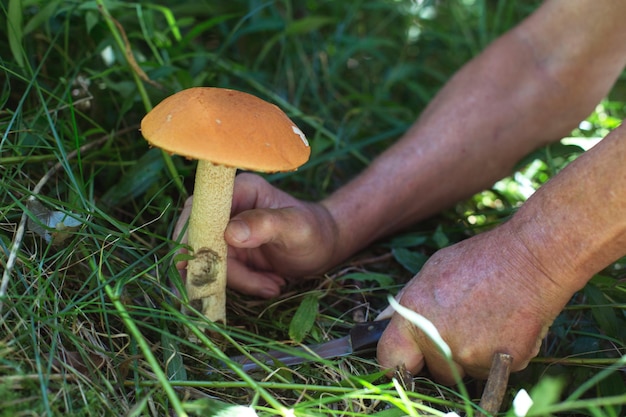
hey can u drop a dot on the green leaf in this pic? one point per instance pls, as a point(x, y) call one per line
point(308, 24)
point(15, 30)
point(546, 393)
point(92, 18)
point(171, 20)
point(53, 226)
point(602, 311)
point(179, 257)
point(440, 238)
point(382, 280)
point(137, 180)
point(171, 356)
point(41, 17)
point(603, 282)
point(139, 408)
point(611, 386)
point(411, 261)
point(407, 240)
point(391, 412)
point(214, 408)
point(304, 318)
point(198, 28)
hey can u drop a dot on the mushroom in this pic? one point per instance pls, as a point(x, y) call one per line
point(224, 130)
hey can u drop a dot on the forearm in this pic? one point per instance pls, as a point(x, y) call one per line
point(575, 225)
point(528, 88)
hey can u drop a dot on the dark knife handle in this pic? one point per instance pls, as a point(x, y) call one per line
point(365, 336)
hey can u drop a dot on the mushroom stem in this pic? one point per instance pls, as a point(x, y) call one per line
point(210, 212)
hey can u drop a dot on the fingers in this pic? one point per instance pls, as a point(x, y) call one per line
point(444, 371)
point(398, 347)
point(262, 214)
point(256, 283)
point(182, 221)
point(253, 228)
point(249, 190)
point(403, 344)
point(245, 280)
point(252, 191)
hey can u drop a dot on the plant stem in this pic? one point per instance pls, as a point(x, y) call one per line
point(143, 345)
point(125, 49)
point(242, 375)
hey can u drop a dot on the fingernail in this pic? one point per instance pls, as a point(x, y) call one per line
point(238, 230)
point(267, 293)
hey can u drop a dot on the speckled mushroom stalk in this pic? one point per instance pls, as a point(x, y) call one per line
point(206, 272)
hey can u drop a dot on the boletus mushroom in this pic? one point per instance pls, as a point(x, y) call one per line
point(224, 130)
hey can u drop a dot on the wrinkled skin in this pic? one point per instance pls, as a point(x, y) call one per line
point(484, 296)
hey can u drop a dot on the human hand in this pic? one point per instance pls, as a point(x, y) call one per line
point(272, 237)
point(484, 295)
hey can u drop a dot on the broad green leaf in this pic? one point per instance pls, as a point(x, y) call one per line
point(44, 14)
point(603, 281)
point(408, 240)
point(172, 357)
point(15, 30)
point(411, 261)
point(308, 24)
point(92, 18)
point(303, 320)
point(382, 280)
point(137, 180)
point(602, 311)
point(547, 392)
point(613, 385)
point(440, 238)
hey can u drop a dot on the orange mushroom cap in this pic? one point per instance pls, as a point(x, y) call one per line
point(226, 127)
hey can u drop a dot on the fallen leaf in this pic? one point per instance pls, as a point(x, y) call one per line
point(53, 226)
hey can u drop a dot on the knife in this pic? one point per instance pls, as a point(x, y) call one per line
point(361, 340)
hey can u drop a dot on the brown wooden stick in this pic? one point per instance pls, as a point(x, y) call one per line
point(496, 385)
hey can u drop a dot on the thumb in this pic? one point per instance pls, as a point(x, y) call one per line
point(238, 232)
point(403, 344)
point(398, 347)
point(253, 228)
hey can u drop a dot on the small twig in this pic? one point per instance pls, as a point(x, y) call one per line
point(497, 382)
point(571, 361)
point(371, 259)
point(21, 229)
point(130, 57)
point(404, 377)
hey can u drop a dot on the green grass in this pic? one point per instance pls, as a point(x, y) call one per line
point(89, 325)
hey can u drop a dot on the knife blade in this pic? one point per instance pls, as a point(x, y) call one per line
point(361, 339)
